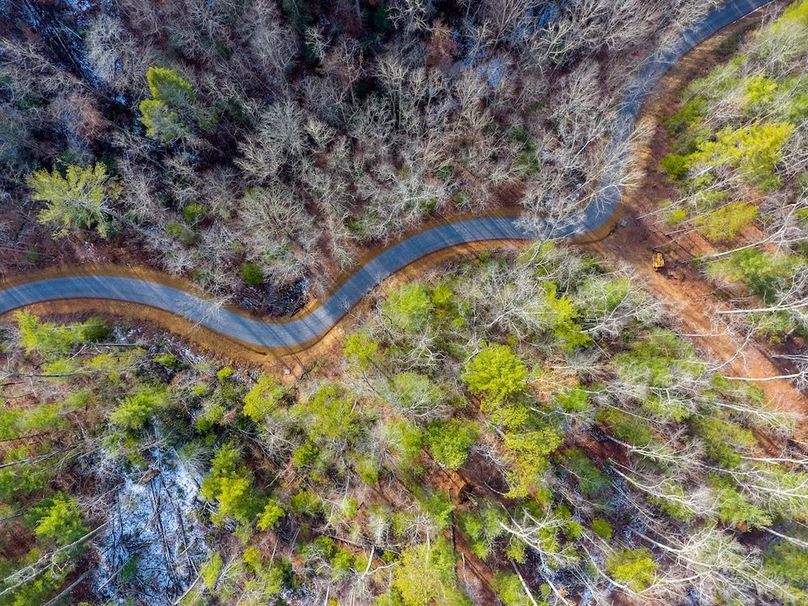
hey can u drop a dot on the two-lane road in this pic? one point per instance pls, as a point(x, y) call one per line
point(293, 334)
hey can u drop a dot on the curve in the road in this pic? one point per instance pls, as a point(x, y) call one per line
point(296, 333)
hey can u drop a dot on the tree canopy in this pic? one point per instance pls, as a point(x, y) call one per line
point(78, 199)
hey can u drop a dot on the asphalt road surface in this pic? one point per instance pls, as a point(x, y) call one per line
point(308, 328)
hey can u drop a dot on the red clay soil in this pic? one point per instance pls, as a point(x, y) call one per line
point(634, 234)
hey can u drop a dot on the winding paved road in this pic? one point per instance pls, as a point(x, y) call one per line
point(296, 333)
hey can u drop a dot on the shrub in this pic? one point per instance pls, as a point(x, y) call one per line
point(425, 575)
point(626, 427)
point(342, 563)
point(405, 440)
point(271, 515)
point(162, 123)
point(164, 114)
point(305, 455)
point(39, 589)
point(675, 165)
point(252, 274)
point(269, 580)
point(788, 561)
point(329, 414)
point(415, 394)
point(210, 570)
point(688, 115)
point(575, 399)
point(263, 399)
point(169, 86)
point(230, 483)
point(671, 502)
point(734, 509)
point(709, 199)
point(527, 453)
point(48, 339)
point(666, 407)
point(135, 410)
point(516, 551)
point(181, 232)
point(59, 520)
point(558, 313)
point(212, 414)
point(511, 591)
point(168, 360)
point(794, 97)
point(495, 373)
point(450, 441)
point(11, 420)
point(224, 373)
point(634, 568)
point(15, 423)
point(409, 308)
point(675, 216)
point(659, 359)
point(512, 417)
point(754, 149)
point(602, 528)
point(368, 469)
point(599, 296)
point(193, 213)
point(765, 273)
point(306, 503)
point(22, 479)
point(483, 527)
point(360, 349)
point(722, 439)
point(592, 482)
point(789, 501)
point(78, 200)
point(759, 90)
point(438, 506)
point(727, 222)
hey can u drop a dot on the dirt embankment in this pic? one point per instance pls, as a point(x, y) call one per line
point(634, 233)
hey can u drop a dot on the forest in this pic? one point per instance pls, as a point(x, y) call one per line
point(739, 159)
point(533, 425)
point(256, 147)
point(517, 428)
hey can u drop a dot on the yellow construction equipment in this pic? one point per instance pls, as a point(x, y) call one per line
point(659, 260)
